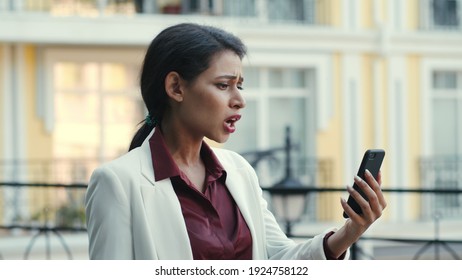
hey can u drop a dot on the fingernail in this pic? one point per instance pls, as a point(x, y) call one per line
point(357, 178)
point(368, 173)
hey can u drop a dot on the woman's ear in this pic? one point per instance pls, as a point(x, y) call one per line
point(173, 86)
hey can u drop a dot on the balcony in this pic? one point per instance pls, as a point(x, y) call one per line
point(132, 23)
point(305, 12)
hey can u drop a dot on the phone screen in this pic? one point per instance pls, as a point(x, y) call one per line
point(372, 161)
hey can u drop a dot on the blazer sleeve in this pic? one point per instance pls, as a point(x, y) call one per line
point(108, 217)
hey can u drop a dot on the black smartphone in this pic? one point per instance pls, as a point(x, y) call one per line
point(372, 161)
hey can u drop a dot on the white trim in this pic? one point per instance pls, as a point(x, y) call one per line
point(377, 78)
point(262, 10)
point(377, 13)
point(352, 110)
point(5, 5)
point(350, 14)
point(398, 138)
point(7, 109)
point(15, 127)
point(262, 105)
point(17, 5)
point(105, 31)
point(7, 122)
point(398, 11)
point(19, 112)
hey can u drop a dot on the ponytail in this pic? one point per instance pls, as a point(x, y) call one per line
point(140, 136)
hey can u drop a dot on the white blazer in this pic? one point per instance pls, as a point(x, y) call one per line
point(130, 216)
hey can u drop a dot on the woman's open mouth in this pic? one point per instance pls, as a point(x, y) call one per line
point(230, 122)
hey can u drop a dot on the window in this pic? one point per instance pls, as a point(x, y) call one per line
point(447, 113)
point(447, 135)
point(292, 10)
point(446, 13)
point(97, 108)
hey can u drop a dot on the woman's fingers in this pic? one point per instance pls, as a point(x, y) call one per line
point(379, 203)
point(373, 202)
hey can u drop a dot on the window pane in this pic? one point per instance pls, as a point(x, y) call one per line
point(77, 107)
point(276, 78)
point(251, 77)
point(445, 127)
point(445, 79)
point(76, 76)
point(445, 12)
point(67, 75)
point(295, 78)
point(89, 76)
point(291, 112)
point(286, 10)
point(239, 8)
point(123, 109)
point(118, 76)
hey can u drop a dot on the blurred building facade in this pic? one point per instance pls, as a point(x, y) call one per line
point(344, 75)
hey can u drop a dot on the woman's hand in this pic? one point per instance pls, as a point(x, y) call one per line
point(372, 208)
point(356, 224)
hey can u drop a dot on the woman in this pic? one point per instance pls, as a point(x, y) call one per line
point(172, 196)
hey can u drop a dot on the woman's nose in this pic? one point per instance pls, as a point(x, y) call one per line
point(238, 101)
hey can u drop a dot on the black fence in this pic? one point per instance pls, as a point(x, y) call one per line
point(428, 243)
point(55, 212)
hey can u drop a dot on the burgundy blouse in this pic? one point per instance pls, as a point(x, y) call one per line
point(215, 226)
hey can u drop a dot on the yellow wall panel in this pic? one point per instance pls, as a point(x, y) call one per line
point(413, 147)
point(414, 113)
point(39, 142)
point(412, 15)
point(2, 82)
point(366, 13)
point(335, 13)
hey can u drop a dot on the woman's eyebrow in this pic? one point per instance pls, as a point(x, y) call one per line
point(231, 77)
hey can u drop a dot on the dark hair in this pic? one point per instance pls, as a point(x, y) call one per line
point(187, 49)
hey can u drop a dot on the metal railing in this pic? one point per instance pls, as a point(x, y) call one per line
point(51, 223)
point(420, 244)
point(312, 12)
point(442, 172)
point(42, 210)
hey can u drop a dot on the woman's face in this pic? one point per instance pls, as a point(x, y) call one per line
point(212, 102)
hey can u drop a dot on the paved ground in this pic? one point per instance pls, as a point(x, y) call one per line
point(31, 245)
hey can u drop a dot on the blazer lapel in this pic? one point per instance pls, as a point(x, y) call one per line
point(239, 187)
point(163, 212)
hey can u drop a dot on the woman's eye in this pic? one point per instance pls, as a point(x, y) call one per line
point(222, 86)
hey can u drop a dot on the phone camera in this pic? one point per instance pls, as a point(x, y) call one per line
point(372, 155)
